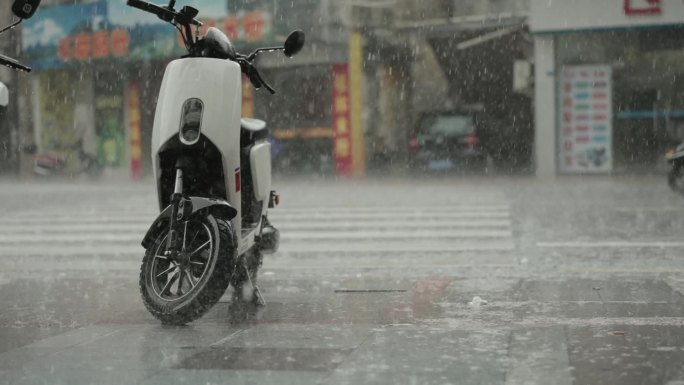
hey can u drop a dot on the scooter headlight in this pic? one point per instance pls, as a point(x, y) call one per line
point(191, 121)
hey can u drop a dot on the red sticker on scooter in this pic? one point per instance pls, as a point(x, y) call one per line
point(238, 180)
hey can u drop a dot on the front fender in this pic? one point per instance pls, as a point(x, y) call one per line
point(190, 207)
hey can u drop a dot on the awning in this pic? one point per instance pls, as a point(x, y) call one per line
point(487, 37)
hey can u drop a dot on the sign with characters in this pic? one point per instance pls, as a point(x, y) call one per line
point(578, 15)
point(586, 116)
point(643, 7)
point(341, 120)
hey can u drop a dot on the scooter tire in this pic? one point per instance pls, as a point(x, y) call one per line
point(208, 289)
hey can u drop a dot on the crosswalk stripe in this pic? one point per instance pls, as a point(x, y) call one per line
point(400, 209)
point(378, 235)
point(75, 238)
point(139, 226)
point(97, 228)
point(298, 215)
point(418, 247)
point(81, 237)
point(70, 249)
point(77, 220)
point(393, 224)
point(340, 230)
point(311, 236)
point(134, 249)
point(392, 215)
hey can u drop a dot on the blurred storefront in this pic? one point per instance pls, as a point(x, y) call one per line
point(609, 84)
point(437, 56)
point(98, 67)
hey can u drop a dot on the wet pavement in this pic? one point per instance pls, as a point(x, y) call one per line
point(436, 281)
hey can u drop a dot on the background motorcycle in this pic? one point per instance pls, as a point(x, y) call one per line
point(213, 173)
point(675, 177)
point(74, 161)
point(23, 9)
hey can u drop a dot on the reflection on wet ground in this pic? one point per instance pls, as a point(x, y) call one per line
point(351, 330)
point(512, 313)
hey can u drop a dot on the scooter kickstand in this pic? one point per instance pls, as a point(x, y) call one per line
point(258, 299)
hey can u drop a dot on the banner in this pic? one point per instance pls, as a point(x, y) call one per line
point(134, 130)
point(586, 129)
point(342, 144)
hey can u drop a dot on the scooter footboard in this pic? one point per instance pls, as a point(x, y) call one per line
point(188, 208)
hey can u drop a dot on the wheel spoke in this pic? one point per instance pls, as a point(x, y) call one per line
point(167, 270)
point(193, 238)
point(170, 282)
point(181, 280)
point(188, 277)
point(185, 234)
point(200, 248)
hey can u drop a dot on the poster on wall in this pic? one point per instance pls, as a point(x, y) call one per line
point(586, 119)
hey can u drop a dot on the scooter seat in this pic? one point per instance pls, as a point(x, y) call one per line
point(254, 129)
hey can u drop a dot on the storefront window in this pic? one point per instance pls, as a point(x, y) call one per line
point(646, 86)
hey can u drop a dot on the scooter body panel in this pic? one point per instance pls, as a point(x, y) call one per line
point(218, 85)
point(260, 164)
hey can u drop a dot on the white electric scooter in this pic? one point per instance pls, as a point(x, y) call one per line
point(213, 173)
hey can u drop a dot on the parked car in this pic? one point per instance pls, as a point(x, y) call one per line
point(447, 140)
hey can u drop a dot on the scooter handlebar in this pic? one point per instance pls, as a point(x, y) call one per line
point(161, 12)
point(12, 63)
point(164, 13)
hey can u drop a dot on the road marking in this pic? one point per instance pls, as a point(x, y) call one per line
point(544, 321)
point(72, 219)
point(612, 270)
point(394, 247)
point(408, 215)
point(44, 228)
point(396, 208)
point(392, 224)
point(356, 231)
point(610, 244)
point(66, 238)
point(395, 235)
point(649, 208)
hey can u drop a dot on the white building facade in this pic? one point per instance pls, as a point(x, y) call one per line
point(609, 84)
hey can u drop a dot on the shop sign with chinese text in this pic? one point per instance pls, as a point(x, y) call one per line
point(586, 115)
point(341, 120)
point(108, 29)
point(576, 15)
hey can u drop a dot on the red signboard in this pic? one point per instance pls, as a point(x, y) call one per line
point(341, 120)
point(134, 127)
point(643, 7)
point(95, 45)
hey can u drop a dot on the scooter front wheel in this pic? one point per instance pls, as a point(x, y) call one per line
point(180, 289)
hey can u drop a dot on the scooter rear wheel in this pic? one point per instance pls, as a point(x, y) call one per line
point(182, 290)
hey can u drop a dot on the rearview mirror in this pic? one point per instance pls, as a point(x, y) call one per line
point(24, 9)
point(294, 43)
